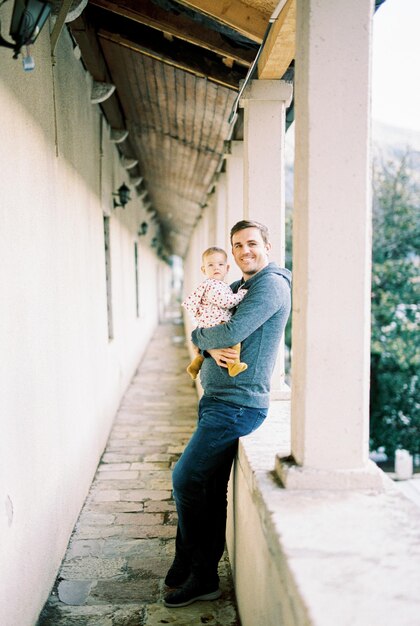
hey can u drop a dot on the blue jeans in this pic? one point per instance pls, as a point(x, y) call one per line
point(200, 480)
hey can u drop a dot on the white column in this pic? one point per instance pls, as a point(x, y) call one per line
point(202, 244)
point(205, 228)
point(235, 198)
point(192, 265)
point(331, 249)
point(264, 103)
point(211, 212)
point(221, 225)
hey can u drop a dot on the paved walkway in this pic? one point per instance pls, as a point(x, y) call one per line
point(123, 542)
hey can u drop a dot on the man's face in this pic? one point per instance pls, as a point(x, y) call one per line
point(249, 251)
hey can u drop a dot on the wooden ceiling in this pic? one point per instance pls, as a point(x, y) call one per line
point(177, 67)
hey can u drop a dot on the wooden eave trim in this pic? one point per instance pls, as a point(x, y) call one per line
point(280, 47)
point(94, 61)
point(224, 78)
point(246, 20)
point(144, 12)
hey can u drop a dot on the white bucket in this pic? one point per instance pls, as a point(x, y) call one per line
point(403, 465)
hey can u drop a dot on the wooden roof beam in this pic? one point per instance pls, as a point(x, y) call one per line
point(205, 68)
point(180, 26)
point(279, 49)
point(247, 20)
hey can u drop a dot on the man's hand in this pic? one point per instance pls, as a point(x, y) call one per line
point(223, 356)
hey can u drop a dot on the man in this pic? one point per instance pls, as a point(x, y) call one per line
point(230, 408)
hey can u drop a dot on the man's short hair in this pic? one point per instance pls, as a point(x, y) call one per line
point(250, 224)
point(212, 250)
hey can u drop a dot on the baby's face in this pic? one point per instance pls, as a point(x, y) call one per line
point(215, 266)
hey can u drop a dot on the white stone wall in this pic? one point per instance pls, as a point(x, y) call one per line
point(61, 378)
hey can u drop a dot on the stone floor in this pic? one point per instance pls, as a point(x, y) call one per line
point(123, 542)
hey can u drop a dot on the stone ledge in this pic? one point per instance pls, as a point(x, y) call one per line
point(338, 557)
point(293, 476)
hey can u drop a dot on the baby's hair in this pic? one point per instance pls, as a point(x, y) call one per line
point(212, 250)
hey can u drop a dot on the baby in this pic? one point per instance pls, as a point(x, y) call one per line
point(210, 304)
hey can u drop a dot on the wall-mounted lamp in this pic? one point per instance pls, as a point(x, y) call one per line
point(28, 18)
point(143, 229)
point(123, 194)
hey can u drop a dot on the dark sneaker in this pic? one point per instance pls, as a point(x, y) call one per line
point(192, 591)
point(177, 574)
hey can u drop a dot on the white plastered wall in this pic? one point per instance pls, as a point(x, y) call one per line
point(61, 378)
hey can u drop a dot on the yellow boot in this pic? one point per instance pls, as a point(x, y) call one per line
point(195, 366)
point(237, 367)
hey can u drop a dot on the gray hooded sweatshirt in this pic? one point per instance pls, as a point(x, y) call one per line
point(258, 325)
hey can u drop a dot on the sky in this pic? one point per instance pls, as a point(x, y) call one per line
point(396, 64)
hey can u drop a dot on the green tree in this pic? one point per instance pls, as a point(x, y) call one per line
point(395, 353)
